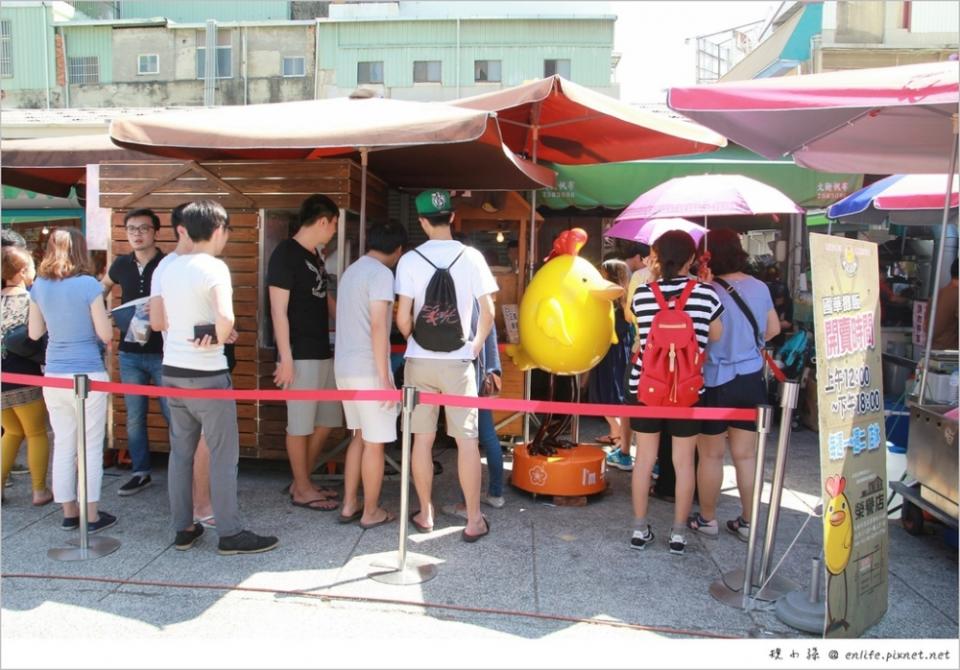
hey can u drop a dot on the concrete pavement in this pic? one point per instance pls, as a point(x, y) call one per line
point(545, 573)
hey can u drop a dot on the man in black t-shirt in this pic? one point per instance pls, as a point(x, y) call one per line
point(300, 307)
point(139, 363)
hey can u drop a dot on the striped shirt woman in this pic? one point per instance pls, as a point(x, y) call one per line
point(703, 307)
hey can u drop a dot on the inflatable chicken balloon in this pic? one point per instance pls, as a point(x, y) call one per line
point(566, 315)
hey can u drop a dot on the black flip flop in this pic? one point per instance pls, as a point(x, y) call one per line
point(390, 518)
point(311, 504)
point(349, 518)
point(467, 537)
point(420, 527)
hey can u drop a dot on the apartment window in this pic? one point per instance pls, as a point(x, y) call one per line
point(148, 64)
point(486, 70)
point(83, 70)
point(560, 66)
point(294, 67)
point(6, 49)
point(370, 72)
point(425, 71)
point(224, 54)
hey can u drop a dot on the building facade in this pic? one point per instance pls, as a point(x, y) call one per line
point(154, 53)
point(813, 37)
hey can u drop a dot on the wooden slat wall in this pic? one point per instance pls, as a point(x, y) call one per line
point(275, 184)
point(241, 256)
point(269, 184)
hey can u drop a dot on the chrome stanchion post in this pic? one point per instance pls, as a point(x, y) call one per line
point(779, 586)
point(734, 588)
point(764, 421)
point(407, 568)
point(85, 547)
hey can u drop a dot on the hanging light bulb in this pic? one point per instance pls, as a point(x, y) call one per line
point(46, 231)
point(500, 237)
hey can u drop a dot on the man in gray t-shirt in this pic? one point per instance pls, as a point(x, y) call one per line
point(362, 362)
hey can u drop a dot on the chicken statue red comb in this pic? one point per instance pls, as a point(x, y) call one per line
point(568, 243)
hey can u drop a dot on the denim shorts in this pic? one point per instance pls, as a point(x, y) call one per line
point(742, 392)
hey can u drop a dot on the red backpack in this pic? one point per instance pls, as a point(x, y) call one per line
point(672, 373)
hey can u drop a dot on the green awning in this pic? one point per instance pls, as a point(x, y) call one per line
point(10, 216)
point(616, 185)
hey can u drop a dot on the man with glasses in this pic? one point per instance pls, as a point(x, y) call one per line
point(140, 362)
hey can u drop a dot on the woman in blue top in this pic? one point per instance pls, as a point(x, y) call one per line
point(67, 303)
point(733, 377)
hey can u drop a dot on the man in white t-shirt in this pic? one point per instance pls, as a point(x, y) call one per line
point(362, 361)
point(197, 294)
point(449, 372)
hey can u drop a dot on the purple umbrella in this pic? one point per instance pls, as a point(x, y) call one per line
point(647, 231)
point(708, 195)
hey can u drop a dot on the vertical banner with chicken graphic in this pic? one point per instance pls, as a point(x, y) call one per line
point(846, 305)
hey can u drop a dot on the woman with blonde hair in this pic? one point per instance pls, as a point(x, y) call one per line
point(67, 303)
point(24, 413)
point(607, 382)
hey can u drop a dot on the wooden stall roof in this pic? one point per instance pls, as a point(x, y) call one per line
point(238, 185)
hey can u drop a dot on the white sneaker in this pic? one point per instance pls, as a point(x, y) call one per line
point(494, 501)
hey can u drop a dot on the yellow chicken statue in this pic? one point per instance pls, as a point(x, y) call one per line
point(566, 314)
point(837, 544)
point(566, 325)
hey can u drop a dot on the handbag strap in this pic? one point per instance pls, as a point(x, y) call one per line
point(743, 308)
point(737, 298)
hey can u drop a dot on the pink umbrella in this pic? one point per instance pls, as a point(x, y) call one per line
point(708, 195)
point(881, 120)
point(647, 231)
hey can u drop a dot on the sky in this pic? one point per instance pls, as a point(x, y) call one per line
point(650, 36)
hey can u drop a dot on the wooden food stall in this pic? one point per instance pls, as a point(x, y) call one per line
point(491, 221)
point(260, 196)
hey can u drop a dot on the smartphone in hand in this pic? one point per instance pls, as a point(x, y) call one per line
point(201, 331)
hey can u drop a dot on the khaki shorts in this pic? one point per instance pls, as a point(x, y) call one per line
point(304, 416)
point(376, 423)
point(436, 375)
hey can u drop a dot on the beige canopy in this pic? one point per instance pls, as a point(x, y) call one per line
point(409, 144)
point(53, 165)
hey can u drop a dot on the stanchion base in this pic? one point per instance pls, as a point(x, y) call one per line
point(579, 471)
point(417, 570)
point(97, 547)
point(796, 610)
point(729, 589)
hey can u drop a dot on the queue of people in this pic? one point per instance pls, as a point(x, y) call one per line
point(731, 316)
point(440, 296)
point(186, 296)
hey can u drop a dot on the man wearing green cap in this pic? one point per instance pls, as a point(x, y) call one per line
point(444, 369)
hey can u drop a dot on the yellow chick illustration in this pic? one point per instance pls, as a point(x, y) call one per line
point(566, 314)
point(837, 527)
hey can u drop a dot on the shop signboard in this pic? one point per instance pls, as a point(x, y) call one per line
point(920, 323)
point(846, 306)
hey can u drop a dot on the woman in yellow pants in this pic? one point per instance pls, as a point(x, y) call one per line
point(24, 412)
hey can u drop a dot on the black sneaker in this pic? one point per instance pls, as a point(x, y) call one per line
point(136, 484)
point(187, 538)
point(70, 523)
point(104, 520)
point(641, 539)
point(246, 542)
point(678, 543)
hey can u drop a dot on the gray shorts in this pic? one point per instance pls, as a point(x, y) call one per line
point(304, 416)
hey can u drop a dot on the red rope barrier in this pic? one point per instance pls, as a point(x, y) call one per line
point(442, 399)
